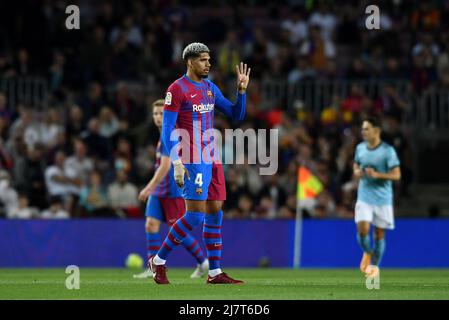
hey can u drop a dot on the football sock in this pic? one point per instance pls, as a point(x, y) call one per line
point(215, 272)
point(378, 251)
point(212, 238)
point(180, 229)
point(364, 243)
point(205, 264)
point(153, 243)
point(158, 261)
point(194, 248)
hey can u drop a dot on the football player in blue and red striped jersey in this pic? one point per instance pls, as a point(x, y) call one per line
point(190, 103)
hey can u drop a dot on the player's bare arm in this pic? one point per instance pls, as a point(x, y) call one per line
point(358, 173)
point(160, 174)
point(393, 175)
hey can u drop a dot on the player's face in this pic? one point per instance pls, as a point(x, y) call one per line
point(157, 116)
point(201, 65)
point(369, 132)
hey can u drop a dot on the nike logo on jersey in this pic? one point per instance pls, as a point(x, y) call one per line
point(193, 95)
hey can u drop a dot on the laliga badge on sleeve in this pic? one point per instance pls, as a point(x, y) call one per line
point(168, 98)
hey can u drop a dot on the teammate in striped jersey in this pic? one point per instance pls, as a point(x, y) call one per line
point(165, 204)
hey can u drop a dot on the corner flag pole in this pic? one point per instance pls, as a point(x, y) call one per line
point(298, 232)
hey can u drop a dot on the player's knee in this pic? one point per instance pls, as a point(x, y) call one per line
point(379, 234)
point(363, 229)
point(196, 206)
point(363, 232)
point(152, 225)
point(214, 206)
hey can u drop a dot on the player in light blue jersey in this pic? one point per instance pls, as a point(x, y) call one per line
point(377, 165)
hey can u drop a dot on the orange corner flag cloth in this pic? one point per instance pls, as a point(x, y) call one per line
point(309, 186)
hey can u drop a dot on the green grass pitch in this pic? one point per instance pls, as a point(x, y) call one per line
point(285, 284)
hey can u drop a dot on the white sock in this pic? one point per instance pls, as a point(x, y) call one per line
point(215, 272)
point(205, 264)
point(158, 261)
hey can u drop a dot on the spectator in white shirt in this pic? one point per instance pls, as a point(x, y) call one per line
point(296, 26)
point(123, 194)
point(23, 211)
point(50, 128)
point(24, 120)
point(109, 123)
point(8, 195)
point(55, 211)
point(428, 48)
point(59, 184)
point(78, 166)
point(325, 19)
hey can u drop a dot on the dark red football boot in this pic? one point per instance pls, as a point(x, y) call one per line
point(159, 272)
point(222, 278)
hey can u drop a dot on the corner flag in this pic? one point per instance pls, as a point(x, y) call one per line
point(309, 186)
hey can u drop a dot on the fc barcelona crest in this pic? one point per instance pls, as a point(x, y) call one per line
point(199, 190)
point(210, 94)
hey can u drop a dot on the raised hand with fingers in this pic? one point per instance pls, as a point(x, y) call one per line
point(242, 76)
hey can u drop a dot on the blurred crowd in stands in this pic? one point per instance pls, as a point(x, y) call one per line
point(90, 149)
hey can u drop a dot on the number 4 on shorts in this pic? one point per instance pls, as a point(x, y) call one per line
point(199, 179)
